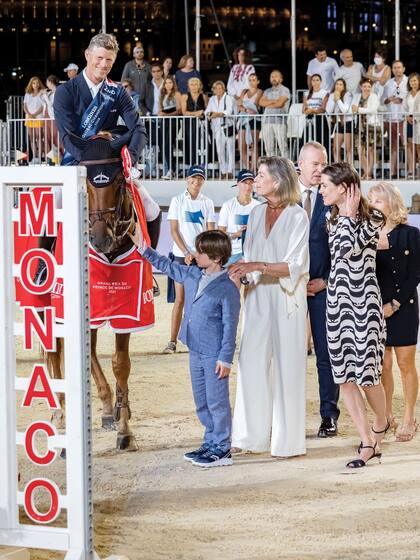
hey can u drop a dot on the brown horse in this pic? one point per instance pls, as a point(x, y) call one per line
point(111, 220)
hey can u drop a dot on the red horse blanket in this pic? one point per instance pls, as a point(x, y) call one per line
point(121, 292)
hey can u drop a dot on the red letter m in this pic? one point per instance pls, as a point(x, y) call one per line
point(35, 216)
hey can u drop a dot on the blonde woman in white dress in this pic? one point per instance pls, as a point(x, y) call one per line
point(270, 398)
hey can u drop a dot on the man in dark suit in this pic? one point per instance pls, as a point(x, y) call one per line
point(149, 105)
point(149, 100)
point(312, 159)
point(105, 100)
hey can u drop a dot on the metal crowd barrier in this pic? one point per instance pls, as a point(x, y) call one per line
point(376, 145)
point(3, 143)
point(14, 107)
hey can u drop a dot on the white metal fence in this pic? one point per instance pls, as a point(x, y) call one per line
point(377, 145)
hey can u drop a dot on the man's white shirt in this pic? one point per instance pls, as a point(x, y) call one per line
point(192, 217)
point(314, 194)
point(325, 69)
point(156, 95)
point(351, 75)
point(93, 88)
point(392, 89)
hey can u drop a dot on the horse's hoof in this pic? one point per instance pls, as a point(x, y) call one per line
point(108, 423)
point(63, 454)
point(127, 443)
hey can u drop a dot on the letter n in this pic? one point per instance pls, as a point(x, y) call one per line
point(44, 329)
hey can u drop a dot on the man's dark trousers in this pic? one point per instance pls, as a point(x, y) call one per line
point(320, 263)
point(328, 390)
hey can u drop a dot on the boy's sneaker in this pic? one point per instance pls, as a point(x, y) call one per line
point(214, 457)
point(170, 348)
point(192, 455)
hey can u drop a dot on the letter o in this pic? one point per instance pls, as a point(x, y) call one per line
point(25, 271)
point(29, 503)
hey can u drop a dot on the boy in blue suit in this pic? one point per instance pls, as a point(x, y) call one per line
point(211, 314)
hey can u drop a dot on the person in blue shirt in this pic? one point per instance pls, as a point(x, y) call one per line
point(211, 315)
point(128, 85)
point(185, 72)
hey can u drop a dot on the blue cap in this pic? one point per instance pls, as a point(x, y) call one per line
point(196, 170)
point(244, 175)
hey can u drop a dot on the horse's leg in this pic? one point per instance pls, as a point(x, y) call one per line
point(54, 362)
point(104, 390)
point(121, 366)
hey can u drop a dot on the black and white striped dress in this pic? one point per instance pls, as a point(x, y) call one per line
point(356, 329)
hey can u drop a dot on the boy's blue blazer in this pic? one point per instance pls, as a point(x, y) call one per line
point(210, 320)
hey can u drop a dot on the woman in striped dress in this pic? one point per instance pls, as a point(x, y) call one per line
point(355, 321)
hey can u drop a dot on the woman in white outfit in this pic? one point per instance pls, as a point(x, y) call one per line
point(366, 105)
point(379, 72)
point(218, 110)
point(270, 397)
point(339, 106)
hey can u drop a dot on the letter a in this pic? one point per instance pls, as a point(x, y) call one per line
point(40, 373)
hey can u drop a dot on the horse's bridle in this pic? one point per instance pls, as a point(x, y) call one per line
point(99, 215)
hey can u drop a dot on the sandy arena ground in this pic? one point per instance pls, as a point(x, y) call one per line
point(152, 505)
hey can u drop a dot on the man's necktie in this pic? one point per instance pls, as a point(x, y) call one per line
point(307, 205)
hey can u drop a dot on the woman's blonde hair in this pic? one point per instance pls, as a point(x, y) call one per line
point(29, 88)
point(218, 83)
point(283, 172)
point(399, 213)
point(192, 80)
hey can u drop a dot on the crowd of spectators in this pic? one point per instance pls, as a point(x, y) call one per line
point(369, 115)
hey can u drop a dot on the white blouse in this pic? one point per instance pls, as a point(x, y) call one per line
point(317, 98)
point(288, 241)
point(342, 106)
point(238, 78)
point(223, 105)
point(33, 103)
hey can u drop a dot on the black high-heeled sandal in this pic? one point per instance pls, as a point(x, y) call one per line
point(388, 425)
point(359, 463)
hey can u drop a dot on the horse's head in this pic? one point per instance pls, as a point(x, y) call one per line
point(111, 214)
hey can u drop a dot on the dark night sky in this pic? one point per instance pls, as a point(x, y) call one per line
point(43, 45)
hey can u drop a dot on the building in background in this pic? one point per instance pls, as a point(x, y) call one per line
point(39, 37)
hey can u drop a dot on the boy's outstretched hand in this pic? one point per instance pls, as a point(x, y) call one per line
point(222, 370)
point(138, 238)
